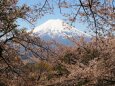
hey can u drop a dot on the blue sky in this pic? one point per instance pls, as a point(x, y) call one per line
point(56, 15)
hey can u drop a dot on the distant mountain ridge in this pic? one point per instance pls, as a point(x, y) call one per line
point(58, 30)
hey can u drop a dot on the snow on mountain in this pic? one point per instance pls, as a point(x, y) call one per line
point(58, 30)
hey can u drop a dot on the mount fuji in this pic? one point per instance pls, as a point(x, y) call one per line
point(58, 30)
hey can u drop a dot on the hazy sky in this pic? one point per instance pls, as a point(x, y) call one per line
point(56, 15)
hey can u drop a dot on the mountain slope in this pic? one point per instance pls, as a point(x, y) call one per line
point(59, 31)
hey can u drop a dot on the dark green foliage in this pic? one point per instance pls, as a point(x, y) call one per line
point(2, 84)
point(61, 70)
point(70, 58)
point(82, 82)
point(89, 55)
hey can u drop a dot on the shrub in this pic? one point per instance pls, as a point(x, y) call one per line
point(43, 66)
point(89, 55)
point(2, 84)
point(61, 70)
point(70, 58)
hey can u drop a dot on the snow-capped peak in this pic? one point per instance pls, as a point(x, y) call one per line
point(50, 25)
point(58, 27)
point(59, 31)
